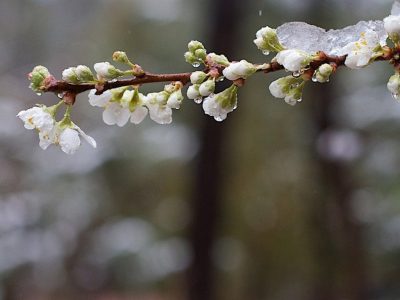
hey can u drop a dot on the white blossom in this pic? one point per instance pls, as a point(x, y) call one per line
point(46, 138)
point(138, 115)
point(160, 114)
point(193, 91)
point(69, 75)
point(175, 99)
point(37, 118)
point(99, 100)
point(267, 40)
point(219, 105)
point(197, 77)
point(360, 53)
point(277, 88)
point(293, 59)
point(83, 73)
point(115, 114)
point(64, 133)
point(68, 138)
point(207, 87)
point(107, 71)
point(120, 112)
point(159, 111)
point(291, 99)
point(323, 73)
point(393, 85)
point(241, 69)
point(102, 69)
point(392, 25)
point(289, 88)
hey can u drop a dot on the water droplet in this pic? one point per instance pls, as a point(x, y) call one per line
point(39, 93)
point(198, 100)
point(299, 100)
point(296, 74)
point(221, 78)
point(314, 77)
point(60, 95)
point(265, 52)
point(196, 64)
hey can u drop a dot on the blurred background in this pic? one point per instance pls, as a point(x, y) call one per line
point(276, 202)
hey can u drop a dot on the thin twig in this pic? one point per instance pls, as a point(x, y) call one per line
point(60, 86)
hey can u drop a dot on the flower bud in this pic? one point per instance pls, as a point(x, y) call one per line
point(195, 45)
point(175, 99)
point(267, 40)
point(218, 59)
point(193, 91)
point(197, 77)
point(37, 76)
point(237, 70)
point(190, 58)
point(219, 105)
point(392, 27)
point(323, 73)
point(107, 71)
point(289, 88)
point(277, 88)
point(120, 56)
point(84, 73)
point(293, 59)
point(393, 85)
point(294, 96)
point(70, 76)
point(207, 87)
point(201, 54)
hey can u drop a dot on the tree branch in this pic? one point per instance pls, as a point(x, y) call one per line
point(59, 86)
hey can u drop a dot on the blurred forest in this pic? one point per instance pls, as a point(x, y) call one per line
point(276, 202)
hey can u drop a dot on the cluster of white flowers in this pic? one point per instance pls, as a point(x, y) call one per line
point(359, 54)
point(123, 104)
point(79, 74)
point(64, 133)
point(203, 85)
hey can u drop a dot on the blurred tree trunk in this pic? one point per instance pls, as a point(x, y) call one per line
point(339, 244)
point(206, 197)
point(340, 247)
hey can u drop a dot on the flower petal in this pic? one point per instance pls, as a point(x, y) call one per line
point(99, 100)
point(91, 141)
point(69, 140)
point(116, 114)
point(138, 115)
